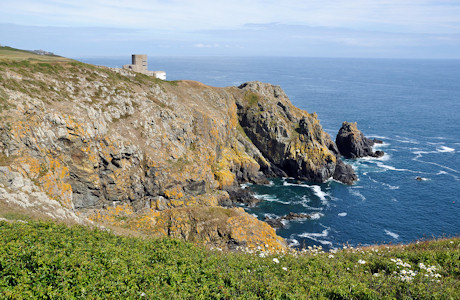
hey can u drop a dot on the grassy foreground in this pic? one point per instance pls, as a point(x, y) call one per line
point(47, 260)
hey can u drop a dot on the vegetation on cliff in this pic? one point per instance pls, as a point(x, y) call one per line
point(46, 260)
point(97, 140)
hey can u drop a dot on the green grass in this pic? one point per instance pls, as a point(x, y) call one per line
point(252, 99)
point(20, 55)
point(46, 260)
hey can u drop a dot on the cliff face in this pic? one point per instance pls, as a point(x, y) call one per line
point(96, 139)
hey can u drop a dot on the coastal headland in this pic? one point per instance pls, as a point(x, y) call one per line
point(159, 158)
point(133, 175)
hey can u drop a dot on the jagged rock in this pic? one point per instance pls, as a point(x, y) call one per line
point(291, 139)
point(240, 196)
point(344, 173)
point(352, 143)
point(278, 222)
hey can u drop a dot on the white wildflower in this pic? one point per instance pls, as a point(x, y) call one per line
point(276, 261)
point(361, 262)
point(422, 266)
point(284, 268)
point(331, 256)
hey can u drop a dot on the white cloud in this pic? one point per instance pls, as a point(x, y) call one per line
point(257, 27)
point(389, 15)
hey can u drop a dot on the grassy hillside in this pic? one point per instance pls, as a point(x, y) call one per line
point(46, 260)
point(17, 54)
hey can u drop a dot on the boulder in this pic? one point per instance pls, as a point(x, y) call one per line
point(344, 173)
point(278, 222)
point(353, 144)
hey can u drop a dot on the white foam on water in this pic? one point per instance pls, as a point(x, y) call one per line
point(406, 140)
point(380, 145)
point(245, 185)
point(391, 168)
point(444, 149)
point(357, 194)
point(324, 242)
point(285, 183)
point(271, 216)
point(377, 137)
point(391, 187)
point(318, 192)
point(392, 234)
point(284, 222)
point(313, 235)
point(342, 214)
point(254, 215)
point(317, 236)
point(422, 178)
point(270, 198)
point(385, 157)
point(316, 216)
point(435, 164)
point(315, 188)
point(305, 204)
point(293, 242)
point(270, 183)
point(442, 173)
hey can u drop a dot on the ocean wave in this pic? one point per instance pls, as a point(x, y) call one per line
point(317, 236)
point(304, 202)
point(293, 242)
point(315, 188)
point(406, 140)
point(444, 149)
point(271, 216)
point(436, 164)
point(381, 145)
point(318, 192)
point(245, 185)
point(391, 187)
point(342, 214)
point(316, 216)
point(392, 234)
point(378, 137)
point(391, 168)
point(357, 194)
point(270, 198)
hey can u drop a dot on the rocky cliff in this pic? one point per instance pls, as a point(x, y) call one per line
point(154, 156)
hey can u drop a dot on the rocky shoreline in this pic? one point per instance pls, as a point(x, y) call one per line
point(134, 152)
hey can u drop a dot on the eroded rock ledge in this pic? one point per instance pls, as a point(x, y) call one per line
point(128, 150)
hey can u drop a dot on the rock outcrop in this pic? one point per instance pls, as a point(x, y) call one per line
point(291, 140)
point(278, 222)
point(352, 143)
point(95, 139)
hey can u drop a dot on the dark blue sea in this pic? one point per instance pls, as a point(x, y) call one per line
point(412, 105)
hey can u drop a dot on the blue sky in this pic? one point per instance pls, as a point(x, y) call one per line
point(314, 28)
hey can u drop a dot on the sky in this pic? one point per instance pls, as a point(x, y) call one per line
point(309, 28)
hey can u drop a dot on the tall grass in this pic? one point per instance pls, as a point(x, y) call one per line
point(47, 260)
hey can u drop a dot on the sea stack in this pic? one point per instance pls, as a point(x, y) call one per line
point(353, 144)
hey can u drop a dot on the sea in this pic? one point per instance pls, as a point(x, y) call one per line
point(412, 105)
